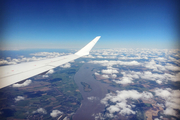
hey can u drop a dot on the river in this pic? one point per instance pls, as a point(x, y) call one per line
point(99, 90)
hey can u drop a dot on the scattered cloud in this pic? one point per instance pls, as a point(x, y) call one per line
point(172, 67)
point(128, 77)
point(40, 110)
point(20, 60)
point(26, 83)
point(35, 57)
point(55, 113)
point(155, 67)
point(98, 116)
point(111, 63)
point(105, 76)
point(82, 62)
point(91, 98)
point(5, 62)
point(18, 98)
point(48, 54)
point(45, 76)
point(171, 98)
point(113, 76)
point(124, 80)
point(159, 78)
point(67, 65)
point(109, 71)
point(119, 101)
point(51, 71)
point(96, 73)
point(156, 119)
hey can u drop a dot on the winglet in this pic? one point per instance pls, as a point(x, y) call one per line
point(85, 50)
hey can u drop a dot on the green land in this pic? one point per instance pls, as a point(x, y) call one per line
point(56, 92)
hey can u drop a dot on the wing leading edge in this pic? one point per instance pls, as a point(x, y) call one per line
point(11, 74)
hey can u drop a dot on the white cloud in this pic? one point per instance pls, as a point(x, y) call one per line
point(111, 63)
point(99, 56)
point(158, 81)
point(123, 80)
point(48, 54)
point(170, 111)
point(96, 73)
point(131, 63)
point(109, 71)
point(35, 57)
point(40, 110)
point(161, 59)
point(4, 62)
point(55, 113)
point(105, 76)
point(171, 59)
point(120, 101)
point(67, 65)
point(51, 71)
point(98, 62)
point(82, 62)
point(155, 77)
point(18, 98)
point(127, 77)
point(45, 76)
point(174, 77)
point(172, 100)
point(19, 60)
point(26, 83)
point(155, 67)
point(132, 58)
point(163, 93)
point(156, 119)
point(113, 76)
point(172, 67)
point(91, 98)
point(98, 116)
point(113, 109)
point(159, 78)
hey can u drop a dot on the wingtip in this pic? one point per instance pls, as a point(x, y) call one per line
point(96, 38)
point(85, 50)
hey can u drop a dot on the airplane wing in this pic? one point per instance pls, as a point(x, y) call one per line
point(11, 74)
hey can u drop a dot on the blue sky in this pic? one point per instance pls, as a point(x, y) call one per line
point(72, 24)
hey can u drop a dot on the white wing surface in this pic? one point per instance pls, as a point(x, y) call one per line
point(11, 74)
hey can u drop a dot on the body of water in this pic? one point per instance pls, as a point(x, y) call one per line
point(98, 92)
